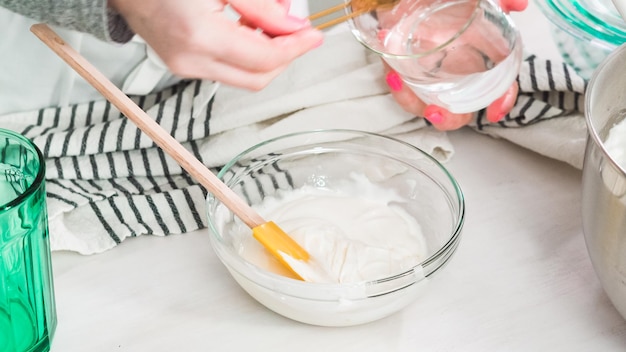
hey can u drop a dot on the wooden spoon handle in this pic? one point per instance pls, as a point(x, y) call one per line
point(150, 127)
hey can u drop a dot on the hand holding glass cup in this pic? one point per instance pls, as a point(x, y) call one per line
point(460, 55)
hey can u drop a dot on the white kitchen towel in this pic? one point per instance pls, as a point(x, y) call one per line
point(106, 181)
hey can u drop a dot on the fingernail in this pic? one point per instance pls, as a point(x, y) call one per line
point(319, 43)
point(434, 117)
point(495, 117)
point(394, 81)
point(302, 22)
point(382, 34)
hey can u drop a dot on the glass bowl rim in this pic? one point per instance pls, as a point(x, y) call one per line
point(584, 33)
point(356, 33)
point(39, 178)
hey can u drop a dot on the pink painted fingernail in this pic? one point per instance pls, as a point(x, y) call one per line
point(495, 117)
point(302, 22)
point(382, 34)
point(434, 117)
point(319, 43)
point(394, 81)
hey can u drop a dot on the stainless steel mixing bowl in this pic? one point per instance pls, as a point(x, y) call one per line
point(604, 181)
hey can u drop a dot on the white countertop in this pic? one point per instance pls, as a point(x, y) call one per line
point(521, 279)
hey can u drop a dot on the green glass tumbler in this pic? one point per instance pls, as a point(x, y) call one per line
point(27, 307)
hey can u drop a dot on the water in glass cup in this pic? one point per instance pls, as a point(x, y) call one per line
point(27, 307)
point(458, 54)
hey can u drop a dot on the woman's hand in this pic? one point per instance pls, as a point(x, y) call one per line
point(197, 39)
point(441, 118)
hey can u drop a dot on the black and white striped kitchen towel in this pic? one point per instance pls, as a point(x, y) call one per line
point(106, 181)
point(549, 107)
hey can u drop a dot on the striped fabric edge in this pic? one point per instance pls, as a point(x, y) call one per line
point(104, 174)
point(546, 90)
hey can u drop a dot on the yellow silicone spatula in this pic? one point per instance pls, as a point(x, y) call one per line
point(272, 237)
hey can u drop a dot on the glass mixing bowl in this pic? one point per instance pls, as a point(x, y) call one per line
point(329, 159)
point(585, 31)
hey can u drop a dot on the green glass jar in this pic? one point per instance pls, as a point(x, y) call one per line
point(27, 307)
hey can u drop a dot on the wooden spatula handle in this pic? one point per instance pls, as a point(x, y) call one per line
point(150, 127)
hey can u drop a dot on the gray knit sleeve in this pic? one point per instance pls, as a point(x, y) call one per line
point(89, 16)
